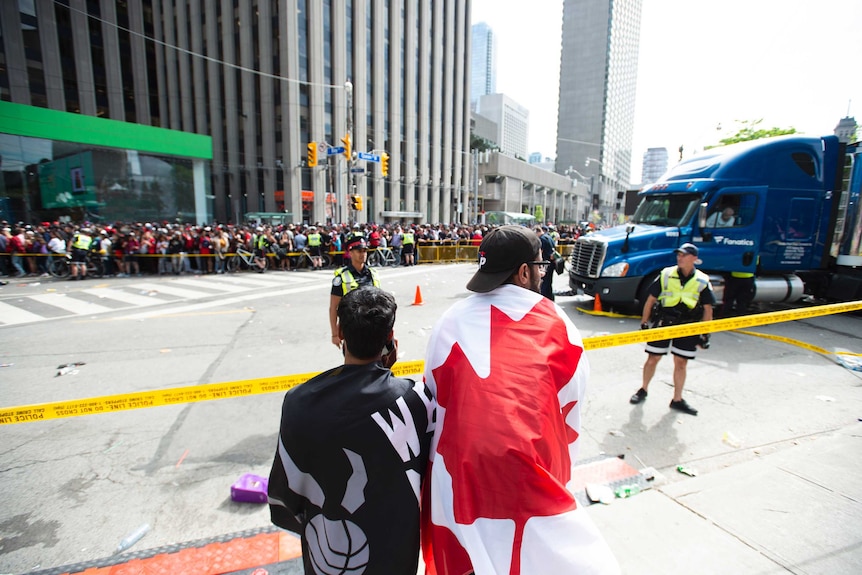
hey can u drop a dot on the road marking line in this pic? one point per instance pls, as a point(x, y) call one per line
point(70, 304)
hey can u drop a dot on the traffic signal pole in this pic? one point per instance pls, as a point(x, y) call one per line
point(348, 151)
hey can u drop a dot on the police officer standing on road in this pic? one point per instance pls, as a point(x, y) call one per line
point(81, 243)
point(314, 247)
point(683, 295)
point(352, 276)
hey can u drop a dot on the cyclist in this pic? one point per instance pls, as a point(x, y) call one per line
point(347, 278)
point(314, 247)
point(81, 243)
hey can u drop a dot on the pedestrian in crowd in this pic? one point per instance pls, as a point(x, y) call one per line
point(496, 497)
point(175, 248)
point(396, 242)
point(548, 249)
point(352, 450)
point(347, 278)
point(300, 240)
point(220, 247)
point(106, 246)
point(284, 247)
point(162, 246)
point(16, 246)
point(132, 249)
point(147, 249)
point(681, 294)
point(205, 249)
point(56, 246)
point(5, 263)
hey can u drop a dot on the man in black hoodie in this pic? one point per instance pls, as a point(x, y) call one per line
point(352, 450)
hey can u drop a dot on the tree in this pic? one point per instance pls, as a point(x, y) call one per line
point(481, 144)
point(751, 130)
point(539, 213)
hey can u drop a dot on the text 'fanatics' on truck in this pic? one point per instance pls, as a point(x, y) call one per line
point(786, 209)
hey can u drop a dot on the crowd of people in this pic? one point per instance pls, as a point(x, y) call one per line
point(137, 248)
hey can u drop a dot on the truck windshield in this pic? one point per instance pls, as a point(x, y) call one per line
point(666, 209)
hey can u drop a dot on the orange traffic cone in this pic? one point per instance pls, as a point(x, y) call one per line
point(418, 299)
point(597, 304)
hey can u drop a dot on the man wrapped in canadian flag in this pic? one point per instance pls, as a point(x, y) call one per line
point(508, 371)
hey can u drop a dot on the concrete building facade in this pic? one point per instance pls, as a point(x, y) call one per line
point(507, 184)
point(263, 79)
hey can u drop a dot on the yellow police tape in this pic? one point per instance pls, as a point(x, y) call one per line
point(172, 396)
point(208, 392)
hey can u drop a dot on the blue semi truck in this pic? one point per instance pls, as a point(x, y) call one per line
point(786, 209)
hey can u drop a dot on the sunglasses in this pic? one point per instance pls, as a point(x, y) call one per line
point(542, 265)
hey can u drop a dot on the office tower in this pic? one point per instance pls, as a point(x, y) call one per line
point(598, 77)
point(483, 62)
point(233, 92)
point(512, 121)
point(654, 166)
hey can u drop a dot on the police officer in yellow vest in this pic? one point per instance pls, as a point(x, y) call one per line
point(348, 278)
point(314, 247)
point(738, 294)
point(81, 243)
point(262, 240)
point(408, 247)
point(681, 294)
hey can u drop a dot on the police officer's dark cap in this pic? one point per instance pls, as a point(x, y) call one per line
point(689, 249)
point(356, 242)
point(501, 252)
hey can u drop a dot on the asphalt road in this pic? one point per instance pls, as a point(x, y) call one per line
point(71, 489)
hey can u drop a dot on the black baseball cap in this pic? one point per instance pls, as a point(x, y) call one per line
point(501, 252)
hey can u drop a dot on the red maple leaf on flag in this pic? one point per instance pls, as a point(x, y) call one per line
point(504, 438)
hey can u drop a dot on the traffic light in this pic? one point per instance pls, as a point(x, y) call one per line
point(384, 164)
point(356, 203)
point(311, 158)
point(346, 141)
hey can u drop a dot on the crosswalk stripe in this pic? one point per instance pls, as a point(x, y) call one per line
point(210, 285)
point(245, 279)
point(69, 304)
point(172, 290)
point(11, 315)
point(125, 297)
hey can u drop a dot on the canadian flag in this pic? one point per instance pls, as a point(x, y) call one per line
point(508, 371)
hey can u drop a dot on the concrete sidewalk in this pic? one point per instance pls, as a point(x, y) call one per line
point(795, 510)
point(790, 508)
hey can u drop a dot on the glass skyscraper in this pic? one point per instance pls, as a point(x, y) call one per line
point(483, 61)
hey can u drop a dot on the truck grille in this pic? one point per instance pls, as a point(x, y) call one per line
point(587, 258)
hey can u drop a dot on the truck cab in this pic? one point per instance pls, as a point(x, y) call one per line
point(766, 207)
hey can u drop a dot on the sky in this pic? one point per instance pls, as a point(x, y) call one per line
point(704, 66)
